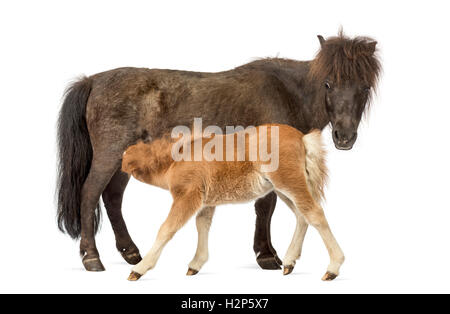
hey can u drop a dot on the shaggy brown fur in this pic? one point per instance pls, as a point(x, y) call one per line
point(105, 113)
point(342, 59)
point(299, 180)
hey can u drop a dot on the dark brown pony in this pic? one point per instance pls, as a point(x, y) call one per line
point(105, 113)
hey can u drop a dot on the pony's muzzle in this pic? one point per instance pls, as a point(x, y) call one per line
point(344, 139)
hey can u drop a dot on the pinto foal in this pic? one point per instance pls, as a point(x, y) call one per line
point(198, 186)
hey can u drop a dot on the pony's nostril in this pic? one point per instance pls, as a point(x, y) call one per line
point(336, 134)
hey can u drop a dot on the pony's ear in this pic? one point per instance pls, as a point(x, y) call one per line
point(321, 40)
point(372, 46)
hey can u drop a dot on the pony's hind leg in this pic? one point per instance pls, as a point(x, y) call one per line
point(295, 248)
point(183, 208)
point(112, 198)
point(99, 175)
point(203, 221)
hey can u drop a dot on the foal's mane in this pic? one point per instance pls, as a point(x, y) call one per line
point(342, 59)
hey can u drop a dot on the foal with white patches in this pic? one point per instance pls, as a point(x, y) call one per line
point(199, 186)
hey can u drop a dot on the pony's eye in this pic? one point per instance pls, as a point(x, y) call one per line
point(327, 85)
point(366, 89)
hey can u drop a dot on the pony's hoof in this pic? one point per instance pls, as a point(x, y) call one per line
point(288, 269)
point(268, 261)
point(191, 272)
point(134, 276)
point(93, 264)
point(278, 260)
point(131, 258)
point(329, 276)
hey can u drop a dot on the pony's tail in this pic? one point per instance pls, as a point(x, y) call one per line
point(316, 169)
point(75, 157)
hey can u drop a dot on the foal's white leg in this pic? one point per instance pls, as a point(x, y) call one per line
point(149, 261)
point(182, 209)
point(336, 255)
point(204, 218)
point(316, 217)
point(295, 248)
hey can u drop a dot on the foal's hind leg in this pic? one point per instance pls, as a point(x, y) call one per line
point(183, 208)
point(204, 218)
point(266, 256)
point(112, 198)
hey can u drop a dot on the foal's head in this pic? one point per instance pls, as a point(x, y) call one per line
point(347, 69)
point(146, 161)
point(134, 160)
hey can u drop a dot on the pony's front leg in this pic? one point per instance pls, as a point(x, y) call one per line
point(112, 198)
point(182, 209)
point(266, 256)
point(204, 218)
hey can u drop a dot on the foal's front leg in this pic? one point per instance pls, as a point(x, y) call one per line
point(295, 248)
point(204, 218)
point(315, 216)
point(182, 209)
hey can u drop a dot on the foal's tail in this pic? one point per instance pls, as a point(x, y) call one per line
point(316, 168)
point(75, 157)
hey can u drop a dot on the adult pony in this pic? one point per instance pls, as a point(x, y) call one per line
point(105, 113)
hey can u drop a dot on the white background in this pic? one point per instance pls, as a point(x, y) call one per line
point(387, 199)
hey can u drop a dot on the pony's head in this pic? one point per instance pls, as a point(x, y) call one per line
point(347, 69)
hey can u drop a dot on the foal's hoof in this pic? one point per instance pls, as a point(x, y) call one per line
point(131, 258)
point(329, 276)
point(93, 264)
point(134, 276)
point(288, 269)
point(268, 261)
point(191, 272)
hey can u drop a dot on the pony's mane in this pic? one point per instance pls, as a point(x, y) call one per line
point(342, 59)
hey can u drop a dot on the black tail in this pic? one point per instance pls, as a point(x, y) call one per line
point(75, 157)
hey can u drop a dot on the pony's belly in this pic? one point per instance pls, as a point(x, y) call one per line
point(241, 190)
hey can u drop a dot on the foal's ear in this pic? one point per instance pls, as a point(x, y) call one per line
point(372, 47)
point(321, 40)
